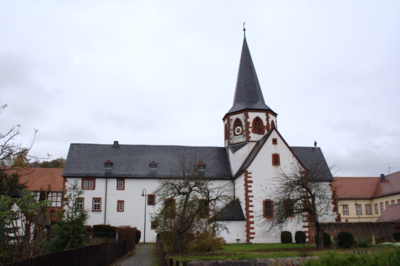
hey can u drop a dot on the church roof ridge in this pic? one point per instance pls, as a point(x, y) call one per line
point(248, 94)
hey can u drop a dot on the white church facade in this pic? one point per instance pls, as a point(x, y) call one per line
point(114, 176)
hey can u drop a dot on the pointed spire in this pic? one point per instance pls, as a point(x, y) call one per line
point(248, 93)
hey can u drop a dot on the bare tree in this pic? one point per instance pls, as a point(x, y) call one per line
point(12, 153)
point(301, 191)
point(188, 198)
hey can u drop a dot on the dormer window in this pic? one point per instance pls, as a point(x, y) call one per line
point(153, 166)
point(108, 165)
point(201, 166)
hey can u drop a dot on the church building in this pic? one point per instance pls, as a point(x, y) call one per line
point(113, 176)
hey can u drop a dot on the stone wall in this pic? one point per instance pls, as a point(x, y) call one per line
point(381, 231)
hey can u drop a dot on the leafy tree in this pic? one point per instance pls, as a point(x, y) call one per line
point(299, 191)
point(9, 183)
point(70, 231)
point(188, 199)
point(22, 226)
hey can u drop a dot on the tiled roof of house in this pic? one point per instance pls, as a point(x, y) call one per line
point(248, 93)
point(41, 178)
point(355, 187)
point(133, 160)
point(391, 185)
point(391, 214)
point(366, 187)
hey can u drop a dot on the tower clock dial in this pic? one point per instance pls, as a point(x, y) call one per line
point(238, 130)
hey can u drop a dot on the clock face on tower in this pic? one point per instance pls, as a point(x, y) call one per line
point(238, 130)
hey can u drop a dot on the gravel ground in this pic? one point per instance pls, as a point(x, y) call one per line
point(144, 256)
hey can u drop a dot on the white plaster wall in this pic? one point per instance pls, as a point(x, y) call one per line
point(273, 118)
point(134, 203)
point(236, 231)
point(236, 159)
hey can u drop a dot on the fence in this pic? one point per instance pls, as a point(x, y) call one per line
point(102, 254)
point(161, 253)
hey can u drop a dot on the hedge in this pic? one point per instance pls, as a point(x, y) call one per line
point(286, 237)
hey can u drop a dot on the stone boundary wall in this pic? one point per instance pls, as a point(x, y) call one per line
point(382, 231)
point(295, 261)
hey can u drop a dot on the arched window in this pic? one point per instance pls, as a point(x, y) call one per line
point(238, 127)
point(258, 126)
point(272, 124)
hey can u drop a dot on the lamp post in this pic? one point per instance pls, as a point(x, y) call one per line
point(144, 194)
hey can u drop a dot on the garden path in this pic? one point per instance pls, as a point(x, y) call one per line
point(143, 256)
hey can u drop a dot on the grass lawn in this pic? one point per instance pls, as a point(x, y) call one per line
point(248, 251)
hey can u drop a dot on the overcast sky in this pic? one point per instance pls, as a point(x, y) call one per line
point(164, 72)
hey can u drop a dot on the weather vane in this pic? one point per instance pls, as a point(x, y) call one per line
point(244, 29)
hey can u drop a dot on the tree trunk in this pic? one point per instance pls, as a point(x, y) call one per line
point(176, 243)
point(319, 240)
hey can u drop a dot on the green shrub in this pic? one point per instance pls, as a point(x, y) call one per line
point(138, 235)
point(300, 237)
point(129, 233)
point(365, 242)
point(326, 238)
point(286, 237)
point(396, 236)
point(345, 239)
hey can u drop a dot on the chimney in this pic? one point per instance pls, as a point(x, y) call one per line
point(383, 177)
point(116, 144)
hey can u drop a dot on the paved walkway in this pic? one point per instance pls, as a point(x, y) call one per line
point(143, 256)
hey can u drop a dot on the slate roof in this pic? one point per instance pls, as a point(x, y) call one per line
point(231, 212)
point(248, 93)
point(391, 214)
point(133, 160)
point(308, 156)
point(367, 187)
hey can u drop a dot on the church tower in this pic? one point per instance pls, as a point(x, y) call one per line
point(250, 118)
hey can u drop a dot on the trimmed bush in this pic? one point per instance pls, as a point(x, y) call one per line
point(300, 237)
point(326, 238)
point(286, 237)
point(345, 239)
point(396, 236)
point(104, 230)
point(138, 235)
point(129, 233)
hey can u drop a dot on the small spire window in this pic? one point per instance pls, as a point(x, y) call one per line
point(108, 165)
point(153, 166)
point(201, 166)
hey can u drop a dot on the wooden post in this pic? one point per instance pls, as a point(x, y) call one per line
point(177, 263)
point(171, 262)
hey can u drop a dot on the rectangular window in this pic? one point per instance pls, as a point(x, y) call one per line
point(398, 201)
point(96, 207)
point(368, 209)
point(358, 209)
point(55, 198)
point(80, 203)
point(154, 225)
point(120, 184)
point(275, 159)
point(169, 208)
point(88, 184)
point(268, 208)
point(392, 202)
point(387, 204)
point(203, 208)
point(345, 209)
point(151, 199)
point(381, 204)
point(289, 208)
point(274, 141)
point(376, 208)
point(120, 206)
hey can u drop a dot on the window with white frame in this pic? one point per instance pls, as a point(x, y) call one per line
point(120, 184)
point(358, 209)
point(392, 202)
point(88, 184)
point(96, 204)
point(376, 208)
point(345, 210)
point(120, 206)
point(79, 203)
